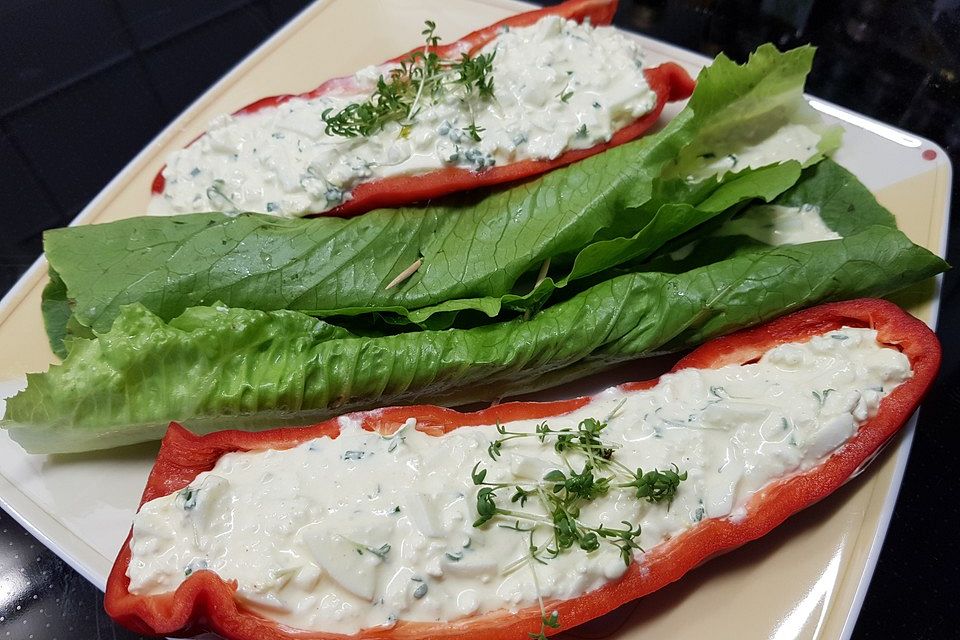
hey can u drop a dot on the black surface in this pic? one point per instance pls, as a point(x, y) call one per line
point(85, 85)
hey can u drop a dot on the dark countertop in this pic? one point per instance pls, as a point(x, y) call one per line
point(86, 85)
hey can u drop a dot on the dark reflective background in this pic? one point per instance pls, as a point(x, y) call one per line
point(85, 85)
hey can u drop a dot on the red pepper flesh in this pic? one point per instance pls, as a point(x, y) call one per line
point(206, 602)
point(669, 81)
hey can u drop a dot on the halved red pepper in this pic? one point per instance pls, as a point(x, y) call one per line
point(206, 602)
point(669, 81)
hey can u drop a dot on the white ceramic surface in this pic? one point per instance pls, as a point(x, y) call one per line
point(805, 580)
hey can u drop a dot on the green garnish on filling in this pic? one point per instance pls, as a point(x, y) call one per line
point(189, 496)
point(421, 76)
point(381, 552)
point(562, 495)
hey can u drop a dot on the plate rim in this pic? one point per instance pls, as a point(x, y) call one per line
point(29, 279)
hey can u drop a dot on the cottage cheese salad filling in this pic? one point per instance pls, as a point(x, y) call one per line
point(772, 224)
point(779, 225)
point(557, 85)
point(365, 530)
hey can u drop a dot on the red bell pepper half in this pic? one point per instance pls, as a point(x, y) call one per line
point(669, 81)
point(206, 602)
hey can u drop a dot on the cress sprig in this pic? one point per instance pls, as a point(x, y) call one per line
point(562, 495)
point(422, 75)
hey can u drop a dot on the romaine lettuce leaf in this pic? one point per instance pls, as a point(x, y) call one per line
point(217, 367)
point(843, 203)
point(478, 253)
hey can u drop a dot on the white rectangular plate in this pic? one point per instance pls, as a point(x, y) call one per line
point(804, 580)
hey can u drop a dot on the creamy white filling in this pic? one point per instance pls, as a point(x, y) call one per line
point(558, 85)
point(364, 530)
point(772, 224)
point(778, 225)
point(741, 150)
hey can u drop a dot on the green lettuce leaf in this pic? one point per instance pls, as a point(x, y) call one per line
point(845, 205)
point(217, 367)
point(478, 253)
